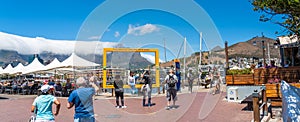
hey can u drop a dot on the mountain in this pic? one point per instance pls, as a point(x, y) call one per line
point(217, 48)
point(247, 49)
point(15, 49)
point(134, 60)
point(253, 48)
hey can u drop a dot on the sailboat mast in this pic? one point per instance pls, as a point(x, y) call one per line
point(200, 52)
point(269, 57)
point(184, 54)
point(165, 50)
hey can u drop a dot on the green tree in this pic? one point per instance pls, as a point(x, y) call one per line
point(285, 13)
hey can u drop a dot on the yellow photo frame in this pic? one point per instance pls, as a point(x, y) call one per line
point(104, 69)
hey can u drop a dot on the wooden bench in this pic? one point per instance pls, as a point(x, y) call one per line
point(273, 93)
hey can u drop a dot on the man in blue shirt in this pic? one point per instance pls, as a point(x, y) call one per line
point(82, 98)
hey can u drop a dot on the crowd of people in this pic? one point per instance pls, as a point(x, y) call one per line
point(31, 87)
point(80, 93)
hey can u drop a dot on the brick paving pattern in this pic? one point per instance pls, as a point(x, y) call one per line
point(17, 109)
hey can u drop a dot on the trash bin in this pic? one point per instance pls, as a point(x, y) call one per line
point(232, 94)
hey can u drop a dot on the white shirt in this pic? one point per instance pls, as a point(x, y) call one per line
point(131, 80)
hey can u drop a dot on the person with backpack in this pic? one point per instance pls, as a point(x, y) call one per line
point(119, 91)
point(170, 81)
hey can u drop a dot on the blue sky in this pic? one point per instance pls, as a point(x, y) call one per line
point(235, 21)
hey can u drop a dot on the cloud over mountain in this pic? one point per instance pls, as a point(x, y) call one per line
point(150, 58)
point(26, 45)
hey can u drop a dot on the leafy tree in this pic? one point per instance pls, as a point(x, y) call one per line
point(285, 13)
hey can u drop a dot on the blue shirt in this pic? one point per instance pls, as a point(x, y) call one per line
point(43, 103)
point(83, 101)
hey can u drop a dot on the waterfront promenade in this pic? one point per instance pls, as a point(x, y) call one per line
point(192, 107)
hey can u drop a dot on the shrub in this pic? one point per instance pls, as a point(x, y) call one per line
point(238, 71)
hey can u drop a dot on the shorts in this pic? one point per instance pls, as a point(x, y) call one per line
point(84, 119)
point(172, 93)
point(44, 121)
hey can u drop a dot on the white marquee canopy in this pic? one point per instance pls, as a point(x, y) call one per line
point(36, 66)
point(76, 61)
point(8, 69)
point(1, 70)
point(18, 69)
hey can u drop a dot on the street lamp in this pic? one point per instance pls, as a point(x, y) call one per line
point(264, 56)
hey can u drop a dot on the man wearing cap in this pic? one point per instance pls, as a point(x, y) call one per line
point(43, 105)
point(82, 98)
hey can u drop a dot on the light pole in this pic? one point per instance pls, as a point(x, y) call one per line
point(264, 56)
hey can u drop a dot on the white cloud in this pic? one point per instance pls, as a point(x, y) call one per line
point(94, 38)
point(150, 58)
point(117, 34)
point(26, 45)
point(142, 30)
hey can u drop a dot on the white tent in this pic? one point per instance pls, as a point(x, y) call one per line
point(18, 69)
point(54, 64)
point(235, 67)
point(76, 61)
point(8, 69)
point(34, 66)
point(1, 70)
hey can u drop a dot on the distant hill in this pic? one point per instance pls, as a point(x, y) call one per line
point(248, 49)
point(253, 48)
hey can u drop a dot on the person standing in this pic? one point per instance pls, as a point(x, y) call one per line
point(190, 77)
point(147, 88)
point(119, 91)
point(131, 82)
point(216, 79)
point(42, 105)
point(82, 98)
point(68, 87)
point(178, 75)
point(171, 80)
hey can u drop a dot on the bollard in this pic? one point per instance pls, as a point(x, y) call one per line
point(158, 90)
point(264, 100)
point(256, 113)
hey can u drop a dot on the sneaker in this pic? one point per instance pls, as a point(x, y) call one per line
point(168, 108)
point(118, 106)
point(124, 106)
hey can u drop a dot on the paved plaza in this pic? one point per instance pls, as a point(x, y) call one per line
point(199, 106)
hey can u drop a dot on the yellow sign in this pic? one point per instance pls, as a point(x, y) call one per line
point(105, 50)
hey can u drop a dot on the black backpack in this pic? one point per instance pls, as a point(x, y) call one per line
point(172, 81)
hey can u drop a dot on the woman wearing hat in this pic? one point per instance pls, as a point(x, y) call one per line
point(43, 105)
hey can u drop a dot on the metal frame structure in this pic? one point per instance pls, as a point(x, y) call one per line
point(105, 50)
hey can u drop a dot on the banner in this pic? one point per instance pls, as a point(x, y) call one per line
point(290, 102)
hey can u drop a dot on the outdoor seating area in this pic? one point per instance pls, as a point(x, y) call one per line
point(33, 88)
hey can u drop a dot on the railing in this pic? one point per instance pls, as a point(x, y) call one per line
point(256, 104)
